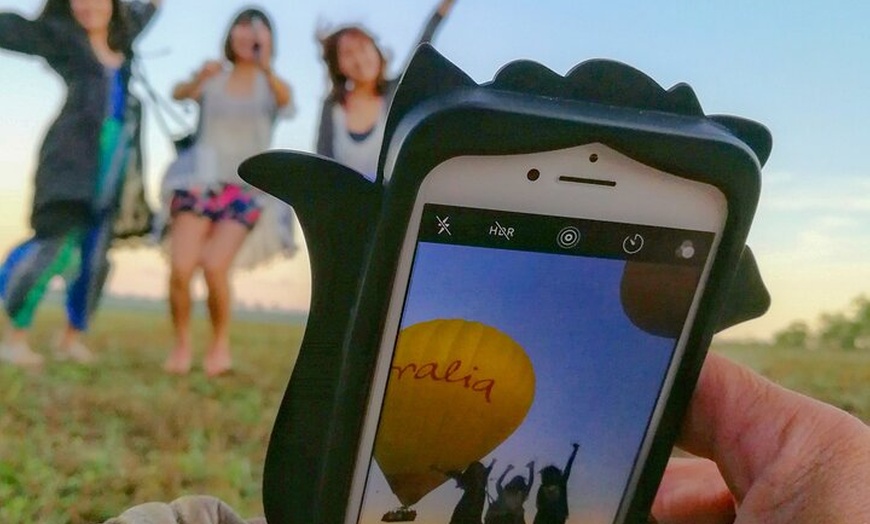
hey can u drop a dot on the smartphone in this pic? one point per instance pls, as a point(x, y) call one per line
point(539, 312)
point(259, 27)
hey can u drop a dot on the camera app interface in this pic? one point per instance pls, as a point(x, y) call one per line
point(530, 354)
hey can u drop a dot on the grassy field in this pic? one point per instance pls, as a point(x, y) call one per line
point(81, 444)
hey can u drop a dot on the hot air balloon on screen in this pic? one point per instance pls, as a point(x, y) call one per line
point(457, 390)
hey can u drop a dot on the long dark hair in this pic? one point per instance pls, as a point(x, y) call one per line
point(329, 46)
point(551, 475)
point(247, 16)
point(119, 34)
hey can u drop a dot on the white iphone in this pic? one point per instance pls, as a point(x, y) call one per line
point(538, 314)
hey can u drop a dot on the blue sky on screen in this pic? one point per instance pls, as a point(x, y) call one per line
point(597, 374)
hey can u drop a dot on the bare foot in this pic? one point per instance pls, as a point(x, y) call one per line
point(20, 354)
point(72, 349)
point(179, 361)
point(218, 361)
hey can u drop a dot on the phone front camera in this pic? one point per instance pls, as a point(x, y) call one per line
point(533, 174)
point(593, 158)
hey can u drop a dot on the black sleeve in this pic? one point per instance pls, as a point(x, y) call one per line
point(429, 29)
point(325, 132)
point(425, 37)
point(138, 15)
point(26, 36)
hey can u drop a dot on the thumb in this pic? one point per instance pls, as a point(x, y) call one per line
point(781, 446)
point(692, 492)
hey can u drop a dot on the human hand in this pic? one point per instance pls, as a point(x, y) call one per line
point(208, 70)
point(777, 456)
point(444, 7)
point(192, 89)
point(191, 509)
point(262, 43)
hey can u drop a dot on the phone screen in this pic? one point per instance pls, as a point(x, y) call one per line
point(530, 356)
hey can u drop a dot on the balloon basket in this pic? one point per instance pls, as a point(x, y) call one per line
point(400, 515)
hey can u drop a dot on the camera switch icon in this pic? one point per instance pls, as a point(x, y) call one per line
point(686, 250)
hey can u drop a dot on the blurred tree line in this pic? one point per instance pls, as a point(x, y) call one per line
point(849, 330)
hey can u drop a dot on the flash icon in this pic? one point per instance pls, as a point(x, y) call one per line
point(443, 225)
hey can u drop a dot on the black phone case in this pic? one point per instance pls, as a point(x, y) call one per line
point(354, 230)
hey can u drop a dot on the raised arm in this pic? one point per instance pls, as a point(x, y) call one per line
point(500, 482)
point(567, 471)
point(455, 475)
point(441, 12)
point(192, 89)
point(280, 89)
point(31, 37)
point(531, 466)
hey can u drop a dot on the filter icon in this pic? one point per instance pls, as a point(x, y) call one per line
point(568, 237)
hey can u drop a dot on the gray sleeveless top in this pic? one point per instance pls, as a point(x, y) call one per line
point(361, 155)
point(233, 128)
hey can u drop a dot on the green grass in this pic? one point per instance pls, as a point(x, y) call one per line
point(82, 444)
point(79, 444)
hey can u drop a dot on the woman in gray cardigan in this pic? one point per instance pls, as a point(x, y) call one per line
point(354, 113)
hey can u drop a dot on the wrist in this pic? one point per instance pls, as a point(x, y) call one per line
point(197, 81)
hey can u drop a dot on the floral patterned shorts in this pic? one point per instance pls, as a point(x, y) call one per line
point(230, 202)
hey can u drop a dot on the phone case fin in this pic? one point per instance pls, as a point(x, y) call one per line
point(337, 209)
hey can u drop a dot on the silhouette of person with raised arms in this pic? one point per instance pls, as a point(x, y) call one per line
point(472, 481)
point(508, 505)
point(552, 498)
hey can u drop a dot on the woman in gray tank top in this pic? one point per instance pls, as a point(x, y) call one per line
point(212, 210)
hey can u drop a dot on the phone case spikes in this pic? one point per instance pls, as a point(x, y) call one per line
point(354, 230)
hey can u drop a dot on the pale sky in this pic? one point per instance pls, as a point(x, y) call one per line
point(799, 68)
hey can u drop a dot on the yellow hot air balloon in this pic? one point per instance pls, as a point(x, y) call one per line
point(457, 390)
